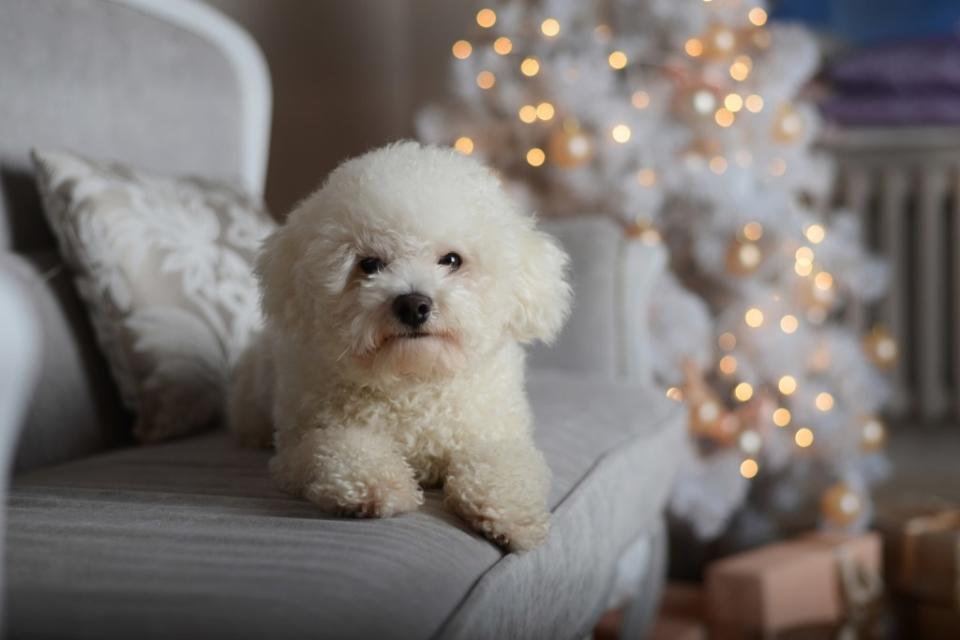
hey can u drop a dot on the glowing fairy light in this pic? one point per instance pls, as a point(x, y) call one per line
point(550, 27)
point(462, 49)
point(530, 67)
point(782, 417)
point(787, 385)
point(617, 60)
point(503, 45)
point(743, 391)
point(486, 18)
point(536, 157)
point(464, 145)
point(486, 79)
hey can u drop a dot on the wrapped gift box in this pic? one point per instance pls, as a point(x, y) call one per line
point(931, 622)
point(791, 585)
point(923, 552)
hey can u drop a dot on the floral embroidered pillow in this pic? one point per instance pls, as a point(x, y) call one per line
point(164, 266)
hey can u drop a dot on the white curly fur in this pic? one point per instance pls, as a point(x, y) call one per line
point(365, 416)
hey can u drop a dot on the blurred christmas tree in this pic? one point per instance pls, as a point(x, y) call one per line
point(679, 119)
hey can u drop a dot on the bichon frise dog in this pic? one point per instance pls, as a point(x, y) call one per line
point(396, 299)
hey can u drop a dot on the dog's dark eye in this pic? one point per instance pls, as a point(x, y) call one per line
point(371, 266)
point(452, 260)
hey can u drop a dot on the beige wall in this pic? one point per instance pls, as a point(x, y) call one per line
point(347, 75)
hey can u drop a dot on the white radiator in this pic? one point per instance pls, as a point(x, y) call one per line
point(905, 185)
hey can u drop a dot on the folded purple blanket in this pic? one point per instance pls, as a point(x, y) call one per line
point(895, 110)
point(928, 65)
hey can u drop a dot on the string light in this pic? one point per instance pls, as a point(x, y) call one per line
point(733, 102)
point(462, 49)
point(740, 68)
point(789, 323)
point(530, 67)
point(675, 394)
point(621, 133)
point(781, 417)
point(486, 18)
point(743, 391)
point(749, 441)
point(754, 103)
point(749, 467)
point(787, 385)
point(815, 233)
point(824, 401)
point(486, 80)
point(693, 47)
point(503, 45)
point(724, 117)
point(536, 157)
point(757, 17)
point(803, 268)
point(528, 113)
point(647, 177)
point(803, 437)
point(823, 281)
point(753, 317)
point(545, 111)
point(703, 101)
point(753, 231)
point(727, 365)
point(640, 99)
point(727, 341)
point(550, 27)
point(718, 164)
point(464, 145)
point(617, 59)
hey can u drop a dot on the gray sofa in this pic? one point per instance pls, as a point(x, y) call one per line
point(189, 539)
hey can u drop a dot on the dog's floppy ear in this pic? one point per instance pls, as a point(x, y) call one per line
point(282, 284)
point(540, 287)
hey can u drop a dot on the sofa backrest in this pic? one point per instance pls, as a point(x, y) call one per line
point(169, 86)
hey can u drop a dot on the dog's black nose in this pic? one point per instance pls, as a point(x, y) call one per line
point(412, 309)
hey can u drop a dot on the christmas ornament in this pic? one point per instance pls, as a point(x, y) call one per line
point(570, 147)
point(743, 256)
point(719, 42)
point(697, 102)
point(788, 124)
point(841, 505)
point(873, 434)
point(881, 348)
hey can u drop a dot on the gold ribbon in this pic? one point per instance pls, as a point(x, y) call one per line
point(861, 588)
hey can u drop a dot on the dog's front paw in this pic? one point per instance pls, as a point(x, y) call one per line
point(384, 501)
point(370, 500)
point(520, 534)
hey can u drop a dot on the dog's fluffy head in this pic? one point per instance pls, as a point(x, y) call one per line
point(381, 227)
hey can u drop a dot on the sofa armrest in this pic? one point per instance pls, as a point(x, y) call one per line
point(19, 369)
point(613, 277)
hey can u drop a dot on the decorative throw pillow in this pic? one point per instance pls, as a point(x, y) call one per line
point(164, 266)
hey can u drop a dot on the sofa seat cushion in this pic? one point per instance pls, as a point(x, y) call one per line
point(192, 539)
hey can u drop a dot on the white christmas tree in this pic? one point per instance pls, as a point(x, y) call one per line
point(680, 119)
